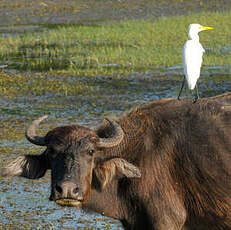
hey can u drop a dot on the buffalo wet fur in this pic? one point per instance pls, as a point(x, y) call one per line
point(116, 167)
point(165, 165)
point(29, 166)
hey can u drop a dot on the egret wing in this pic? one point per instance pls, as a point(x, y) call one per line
point(192, 61)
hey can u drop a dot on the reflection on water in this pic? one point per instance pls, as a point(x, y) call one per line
point(24, 203)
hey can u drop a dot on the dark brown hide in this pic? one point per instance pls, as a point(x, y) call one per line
point(183, 152)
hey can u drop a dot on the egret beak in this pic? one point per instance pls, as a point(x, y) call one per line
point(206, 28)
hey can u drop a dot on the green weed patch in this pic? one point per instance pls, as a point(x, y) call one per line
point(116, 47)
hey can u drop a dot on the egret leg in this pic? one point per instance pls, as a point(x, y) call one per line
point(197, 91)
point(197, 95)
point(182, 86)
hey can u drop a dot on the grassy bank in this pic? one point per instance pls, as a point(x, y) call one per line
point(115, 47)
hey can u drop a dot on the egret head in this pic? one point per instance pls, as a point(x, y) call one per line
point(194, 29)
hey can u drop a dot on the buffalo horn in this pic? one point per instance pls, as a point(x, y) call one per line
point(31, 132)
point(115, 139)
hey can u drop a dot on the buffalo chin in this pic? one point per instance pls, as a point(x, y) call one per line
point(69, 202)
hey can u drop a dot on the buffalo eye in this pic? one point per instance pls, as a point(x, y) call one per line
point(91, 152)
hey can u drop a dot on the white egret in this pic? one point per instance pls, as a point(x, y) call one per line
point(192, 57)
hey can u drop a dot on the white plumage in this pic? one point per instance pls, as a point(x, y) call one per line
point(192, 56)
point(192, 60)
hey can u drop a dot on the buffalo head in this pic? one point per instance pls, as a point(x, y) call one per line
point(76, 156)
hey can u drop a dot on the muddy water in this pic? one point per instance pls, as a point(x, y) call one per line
point(24, 203)
point(57, 12)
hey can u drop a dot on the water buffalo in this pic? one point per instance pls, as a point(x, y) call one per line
point(165, 165)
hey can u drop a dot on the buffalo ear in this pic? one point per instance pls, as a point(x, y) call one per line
point(29, 166)
point(105, 172)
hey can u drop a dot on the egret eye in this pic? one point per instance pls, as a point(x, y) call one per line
point(91, 152)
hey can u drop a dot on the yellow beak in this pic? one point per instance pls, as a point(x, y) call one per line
point(206, 28)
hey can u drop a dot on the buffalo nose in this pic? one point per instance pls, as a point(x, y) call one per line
point(67, 189)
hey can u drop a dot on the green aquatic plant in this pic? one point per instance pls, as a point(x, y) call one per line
point(115, 47)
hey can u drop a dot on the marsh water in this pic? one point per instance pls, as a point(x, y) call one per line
point(24, 204)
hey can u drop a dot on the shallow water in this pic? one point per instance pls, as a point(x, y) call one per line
point(24, 203)
point(57, 12)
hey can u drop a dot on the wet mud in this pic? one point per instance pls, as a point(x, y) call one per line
point(24, 204)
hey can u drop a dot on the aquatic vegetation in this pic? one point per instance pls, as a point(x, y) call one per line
point(108, 48)
point(41, 78)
